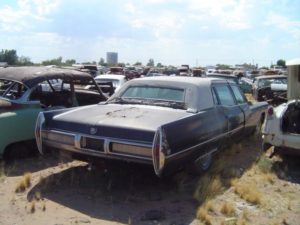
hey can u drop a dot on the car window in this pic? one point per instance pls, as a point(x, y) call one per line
point(215, 98)
point(159, 93)
point(224, 95)
point(238, 95)
point(11, 90)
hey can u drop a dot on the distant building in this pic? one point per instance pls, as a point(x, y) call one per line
point(112, 58)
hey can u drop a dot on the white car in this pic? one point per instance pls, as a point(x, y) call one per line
point(117, 80)
point(281, 128)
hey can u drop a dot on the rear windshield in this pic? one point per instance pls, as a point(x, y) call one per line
point(157, 93)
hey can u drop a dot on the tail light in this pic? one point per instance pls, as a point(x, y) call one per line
point(270, 111)
point(160, 149)
point(38, 131)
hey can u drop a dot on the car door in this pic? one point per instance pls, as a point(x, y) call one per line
point(231, 109)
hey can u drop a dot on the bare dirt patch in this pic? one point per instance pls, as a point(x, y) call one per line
point(243, 186)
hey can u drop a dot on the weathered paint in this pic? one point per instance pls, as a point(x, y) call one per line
point(17, 124)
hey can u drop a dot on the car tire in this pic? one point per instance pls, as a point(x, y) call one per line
point(201, 165)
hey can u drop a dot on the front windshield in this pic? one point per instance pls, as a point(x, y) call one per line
point(269, 81)
point(11, 89)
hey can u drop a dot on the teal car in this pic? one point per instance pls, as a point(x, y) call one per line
point(26, 91)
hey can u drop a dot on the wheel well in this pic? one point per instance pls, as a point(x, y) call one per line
point(262, 117)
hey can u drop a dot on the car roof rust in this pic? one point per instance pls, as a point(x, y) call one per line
point(32, 75)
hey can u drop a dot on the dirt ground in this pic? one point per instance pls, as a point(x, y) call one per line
point(62, 193)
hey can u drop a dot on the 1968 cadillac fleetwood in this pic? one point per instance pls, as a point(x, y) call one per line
point(167, 122)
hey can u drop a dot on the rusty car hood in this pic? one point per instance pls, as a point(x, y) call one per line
point(140, 117)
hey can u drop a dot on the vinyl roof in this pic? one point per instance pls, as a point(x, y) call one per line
point(32, 75)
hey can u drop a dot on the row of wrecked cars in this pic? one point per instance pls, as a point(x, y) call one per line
point(169, 123)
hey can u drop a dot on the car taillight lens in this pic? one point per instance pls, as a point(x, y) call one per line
point(270, 111)
point(38, 131)
point(160, 149)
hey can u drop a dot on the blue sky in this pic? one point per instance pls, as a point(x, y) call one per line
point(195, 32)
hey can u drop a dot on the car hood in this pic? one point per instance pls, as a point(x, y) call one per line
point(115, 120)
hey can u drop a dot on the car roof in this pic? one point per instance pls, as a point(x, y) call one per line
point(194, 86)
point(111, 76)
point(199, 81)
point(270, 76)
point(32, 75)
point(221, 75)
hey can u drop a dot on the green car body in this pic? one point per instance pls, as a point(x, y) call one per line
point(20, 104)
point(17, 123)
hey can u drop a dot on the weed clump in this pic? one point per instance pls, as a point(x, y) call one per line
point(209, 186)
point(202, 215)
point(248, 192)
point(228, 209)
point(24, 183)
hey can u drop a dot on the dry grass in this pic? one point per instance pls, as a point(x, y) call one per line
point(248, 192)
point(228, 209)
point(250, 97)
point(1, 169)
point(208, 187)
point(37, 196)
point(245, 215)
point(209, 206)
point(32, 207)
point(268, 177)
point(24, 183)
point(202, 215)
point(44, 206)
point(21, 186)
point(27, 179)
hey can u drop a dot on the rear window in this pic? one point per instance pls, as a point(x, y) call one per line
point(159, 93)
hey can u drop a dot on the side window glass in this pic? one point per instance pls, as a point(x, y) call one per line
point(214, 96)
point(224, 95)
point(238, 95)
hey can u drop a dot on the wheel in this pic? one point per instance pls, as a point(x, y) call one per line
point(202, 164)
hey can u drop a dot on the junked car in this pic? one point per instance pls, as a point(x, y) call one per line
point(117, 80)
point(245, 87)
point(281, 128)
point(271, 88)
point(26, 91)
point(167, 122)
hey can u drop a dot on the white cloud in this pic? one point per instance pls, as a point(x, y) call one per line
point(284, 23)
point(229, 14)
point(25, 14)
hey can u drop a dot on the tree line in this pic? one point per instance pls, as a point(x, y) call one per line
point(10, 57)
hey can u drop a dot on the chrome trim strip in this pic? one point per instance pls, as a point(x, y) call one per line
point(98, 154)
point(107, 141)
point(202, 143)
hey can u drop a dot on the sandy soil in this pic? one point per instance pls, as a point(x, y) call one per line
point(62, 193)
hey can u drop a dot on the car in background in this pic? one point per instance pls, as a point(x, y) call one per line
point(281, 128)
point(155, 74)
point(117, 81)
point(271, 88)
point(26, 91)
point(245, 86)
point(166, 122)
